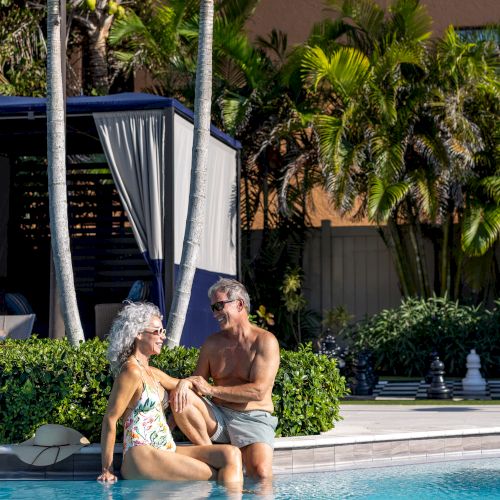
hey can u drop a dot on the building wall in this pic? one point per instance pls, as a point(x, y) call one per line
point(296, 17)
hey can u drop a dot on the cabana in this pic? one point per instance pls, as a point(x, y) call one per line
point(146, 141)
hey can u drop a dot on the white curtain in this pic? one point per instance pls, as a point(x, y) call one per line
point(134, 144)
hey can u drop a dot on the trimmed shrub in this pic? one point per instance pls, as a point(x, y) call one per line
point(306, 393)
point(48, 381)
point(401, 339)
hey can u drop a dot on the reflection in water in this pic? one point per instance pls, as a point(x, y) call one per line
point(153, 490)
point(192, 490)
point(461, 480)
point(263, 488)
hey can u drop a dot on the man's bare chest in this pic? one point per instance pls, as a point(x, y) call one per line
point(232, 363)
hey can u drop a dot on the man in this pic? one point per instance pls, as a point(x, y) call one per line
point(242, 360)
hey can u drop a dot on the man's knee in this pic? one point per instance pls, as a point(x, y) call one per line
point(231, 454)
point(259, 471)
point(258, 460)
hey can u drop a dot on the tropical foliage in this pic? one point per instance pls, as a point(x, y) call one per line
point(403, 338)
point(398, 126)
point(22, 51)
point(408, 131)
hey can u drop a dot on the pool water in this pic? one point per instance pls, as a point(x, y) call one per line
point(471, 479)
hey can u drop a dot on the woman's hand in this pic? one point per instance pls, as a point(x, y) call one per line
point(180, 395)
point(107, 476)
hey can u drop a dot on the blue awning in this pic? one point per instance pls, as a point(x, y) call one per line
point(31, 107)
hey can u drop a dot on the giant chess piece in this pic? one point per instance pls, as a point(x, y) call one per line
point(362, 387)
point(473, 383)
point(432, 356)
point(438, 389)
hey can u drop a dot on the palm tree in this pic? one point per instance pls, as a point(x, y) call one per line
point(197, 194)
point(163, 39)
point(399, 134)
point(93, 19)
point(56, 153)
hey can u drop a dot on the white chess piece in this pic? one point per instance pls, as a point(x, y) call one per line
point(473, 383)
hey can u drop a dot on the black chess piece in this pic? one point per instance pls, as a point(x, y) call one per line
point(371, 375)
point(432, 356)
point(329, 344)
point(438, 388)
point(362, 387)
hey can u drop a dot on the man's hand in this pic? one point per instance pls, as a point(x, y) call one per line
point(200, 385)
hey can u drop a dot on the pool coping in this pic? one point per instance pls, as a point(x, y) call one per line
point(302, 453)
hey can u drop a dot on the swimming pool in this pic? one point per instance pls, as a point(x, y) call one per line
point(471, 479)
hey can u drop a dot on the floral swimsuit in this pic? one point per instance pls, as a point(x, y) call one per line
point(146, 423)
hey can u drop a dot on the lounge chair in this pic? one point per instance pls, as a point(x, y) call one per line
point(17, 326)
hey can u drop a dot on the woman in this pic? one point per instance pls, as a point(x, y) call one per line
point(138, 396)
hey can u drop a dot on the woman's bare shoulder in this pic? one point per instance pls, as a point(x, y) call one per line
point(130, 371)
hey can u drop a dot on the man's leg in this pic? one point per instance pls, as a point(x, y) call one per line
point(197, 421)
point(258, 460)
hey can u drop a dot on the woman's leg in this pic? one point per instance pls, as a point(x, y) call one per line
point(223, 457)
point(146, 462)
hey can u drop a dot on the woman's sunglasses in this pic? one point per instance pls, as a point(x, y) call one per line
point(157, 331)
point(218, 306)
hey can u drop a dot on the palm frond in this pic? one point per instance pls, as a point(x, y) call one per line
point(410, 21)
point(383, 198)
point(235, 111)
point(388, 155)
point(345, 70)
point(491, 185)
point(481, 228)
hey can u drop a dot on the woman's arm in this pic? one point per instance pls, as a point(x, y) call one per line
point(178, 389)
point(122, 393)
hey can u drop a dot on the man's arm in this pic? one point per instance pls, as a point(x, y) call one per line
point(264, 368)
point(203, 366)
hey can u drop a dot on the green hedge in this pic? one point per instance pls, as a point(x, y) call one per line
point(402, 338)
point(48, 381)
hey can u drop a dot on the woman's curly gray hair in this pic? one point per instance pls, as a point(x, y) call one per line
point(131, 320)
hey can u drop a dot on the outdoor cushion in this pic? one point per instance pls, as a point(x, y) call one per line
point(138, 291)
point(17, 303)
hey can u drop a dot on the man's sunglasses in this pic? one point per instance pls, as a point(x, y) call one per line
point(157, 331)
point(218, 306)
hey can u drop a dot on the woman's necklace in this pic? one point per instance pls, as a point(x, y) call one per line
point(150, 375)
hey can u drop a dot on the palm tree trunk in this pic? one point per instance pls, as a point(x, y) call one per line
point(248, 215)
point(56, 170)
point(458, 274)
point(420, 244)
point(393, 243)
point(98, 60)
point(445, 257)
point(197, 194)
point(418, 252)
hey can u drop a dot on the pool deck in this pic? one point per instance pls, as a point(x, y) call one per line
point(368, 436)
point(379, 435)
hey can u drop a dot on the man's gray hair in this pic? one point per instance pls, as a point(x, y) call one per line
point(234, 290)
point(131, 321)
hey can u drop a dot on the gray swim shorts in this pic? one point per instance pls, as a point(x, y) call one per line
point(241, 428)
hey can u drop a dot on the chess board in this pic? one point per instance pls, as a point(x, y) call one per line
point(393, 390)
